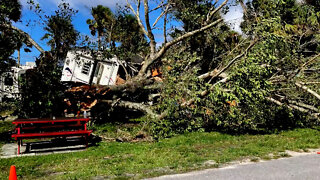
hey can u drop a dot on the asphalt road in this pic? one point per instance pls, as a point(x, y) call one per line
point(299, 167)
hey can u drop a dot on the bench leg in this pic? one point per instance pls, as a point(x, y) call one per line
point(18, 147)
point(86, 140)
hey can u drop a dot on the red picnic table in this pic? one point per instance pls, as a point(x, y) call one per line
point(48, 128)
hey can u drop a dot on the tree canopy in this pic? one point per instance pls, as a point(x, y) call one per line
point(10, 40)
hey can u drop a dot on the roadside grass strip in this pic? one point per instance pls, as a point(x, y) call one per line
point(178, 154)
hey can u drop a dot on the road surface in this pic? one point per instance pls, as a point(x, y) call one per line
point(298, 167)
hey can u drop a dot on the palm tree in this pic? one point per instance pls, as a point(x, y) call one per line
point(102, 24)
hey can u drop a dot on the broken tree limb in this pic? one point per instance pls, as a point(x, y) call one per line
point(36, 45)
point(217, 72)
point(131, 105)
point(292, 107)
point(288, 106)
point(312, 82)
point(306, 106)
point(210, 15)
point(305, 88)
point(131, 86)
point(166, 46)
point(298, 108)
point(274, 101)
point(298, 70)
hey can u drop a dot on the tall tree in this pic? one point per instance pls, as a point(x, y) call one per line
point(102, 24)
point(61, 34)
point(10, 39)
point(130, 36)
point(42, 90)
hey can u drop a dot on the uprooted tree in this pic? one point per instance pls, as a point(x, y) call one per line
point(210, 77)
point(144, 79)
point(215, 78)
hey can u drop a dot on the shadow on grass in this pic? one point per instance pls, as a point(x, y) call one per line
point(5, 137)
point(60, 145)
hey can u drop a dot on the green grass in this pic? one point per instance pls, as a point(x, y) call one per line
point(145, 159)
point(118, 130)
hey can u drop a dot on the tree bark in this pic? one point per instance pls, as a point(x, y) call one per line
point(292, 107)
point(244, 7)
point(306, 106)
point(36, 45)
point(305, 88)
point(132, 105)
point(166, 46)
point(149, 30)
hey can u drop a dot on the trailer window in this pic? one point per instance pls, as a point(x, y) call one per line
point(8, 81)
point(86, 68)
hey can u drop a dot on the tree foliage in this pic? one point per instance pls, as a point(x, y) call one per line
point(120, 32)
point(204, 76)
point(60, 32)
point(10, 40)
point(42, 90)
point(287, 39)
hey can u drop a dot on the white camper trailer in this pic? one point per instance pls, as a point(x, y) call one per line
point(9, 81)
point(79, 65)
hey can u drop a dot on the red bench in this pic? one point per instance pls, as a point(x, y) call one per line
point(48, 128)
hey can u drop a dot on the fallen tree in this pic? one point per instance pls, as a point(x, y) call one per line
point(205, 76)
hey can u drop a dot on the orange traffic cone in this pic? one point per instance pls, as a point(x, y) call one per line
point(13, 173)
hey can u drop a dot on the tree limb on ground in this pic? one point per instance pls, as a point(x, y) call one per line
point(298, 70)
point(307, 106)
point(290, 106)
point(216, 72)
point(131, 105)
point(305, 88)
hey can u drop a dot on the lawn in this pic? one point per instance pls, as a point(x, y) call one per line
point(148, 159)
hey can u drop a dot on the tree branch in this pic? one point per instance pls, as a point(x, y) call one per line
point(162, 4)
point(162, 13)
point(149, 30)
point(291, 107)
point(137, 15)
point(307, 106)
point(210, 15)
point(36, 45)
point(305, 88)
point(165, 28)
point(131, 105)
point(298, 70)
point(216, 72)
point(244, 8)
point(161, 52)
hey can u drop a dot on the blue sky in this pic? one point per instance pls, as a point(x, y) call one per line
point(30, 24)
